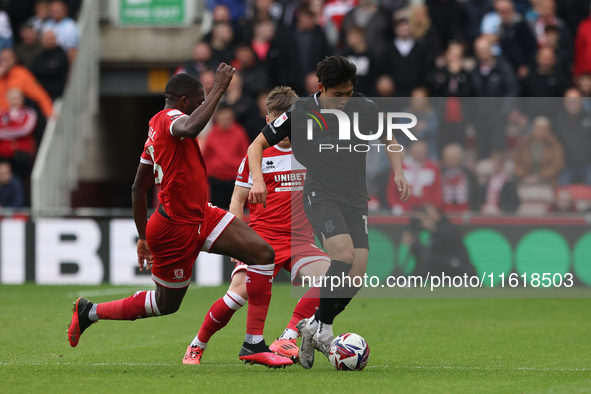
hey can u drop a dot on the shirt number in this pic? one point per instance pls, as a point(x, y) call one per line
point(158, 174)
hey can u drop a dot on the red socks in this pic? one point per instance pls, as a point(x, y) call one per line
point(259, 280)
point(306, 307)
point(141, 304)
point(219, 315)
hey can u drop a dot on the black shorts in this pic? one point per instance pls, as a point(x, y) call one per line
point(329, 218)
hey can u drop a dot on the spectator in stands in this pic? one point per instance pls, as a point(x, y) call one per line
point(546, 10)
point(564, 56)
point(453, 82)
point(13, 75)
point(385, 86)
point(29, 46)
point(445, 15)
point(244, 106)
point(262, 11)
point(543, 81)
point(445, 252)
point(405, 60)
point(539, 156)
point(582, 61)
point(263, 34)
point(500, 189)
point(255, 121)
point(296, 51)
point(207, 79)
point(425, 33)
point(377, 172)
point(572, 12)
point(460, 189)
point(492, 77)
point(6, 39)
point(573, 129)
point(253, 73)
point(427, 128)
point(224, 149)
point(220, 13)
point(333, 15)
point(583, 85)
point(472, 13)
point(64, 27)
point(515, 38)
point(367, 65)
point(17, 142)
point(51, 66)
point(235, 9)
point(524, 7)
point(222, 44)
point(376, 23)
point(424, 179)
point(12, 194)
point(41, 15)
point(563, 202)
point(201, 60)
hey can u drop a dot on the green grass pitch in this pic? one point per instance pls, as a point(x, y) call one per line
point(417, 346)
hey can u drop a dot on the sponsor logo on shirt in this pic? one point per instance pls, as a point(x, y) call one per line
point(280, 120)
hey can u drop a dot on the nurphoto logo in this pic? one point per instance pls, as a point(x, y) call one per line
point(391, 120)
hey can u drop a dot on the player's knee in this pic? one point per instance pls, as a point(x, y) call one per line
point(168, 309)
point(265, 254)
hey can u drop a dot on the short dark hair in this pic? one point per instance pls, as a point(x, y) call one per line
point(182, 85)
point(336, 70)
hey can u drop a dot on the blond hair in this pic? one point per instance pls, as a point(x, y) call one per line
point(419, 30)
point(280, 99)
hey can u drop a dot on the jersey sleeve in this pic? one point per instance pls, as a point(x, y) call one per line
point(145, 157)
point(279, 129)
point(243, 177)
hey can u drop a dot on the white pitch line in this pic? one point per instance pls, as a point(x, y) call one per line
point(241, 365)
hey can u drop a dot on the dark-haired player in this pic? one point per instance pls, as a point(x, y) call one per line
point(184, 223)
point(335, 194)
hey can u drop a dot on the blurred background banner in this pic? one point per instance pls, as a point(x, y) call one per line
point(103, 250)
point(153, 13)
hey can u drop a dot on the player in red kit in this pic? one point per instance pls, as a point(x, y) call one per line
point(283, 224)
point(184, 223)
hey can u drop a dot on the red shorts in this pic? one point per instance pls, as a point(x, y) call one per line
point(175, 246)
point(291, 256)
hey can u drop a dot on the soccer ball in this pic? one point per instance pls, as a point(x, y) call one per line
point(349, 352)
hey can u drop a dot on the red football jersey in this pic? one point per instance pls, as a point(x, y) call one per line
point(179, 168)
point(284, 177)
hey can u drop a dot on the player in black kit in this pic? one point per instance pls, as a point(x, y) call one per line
point(335, 191)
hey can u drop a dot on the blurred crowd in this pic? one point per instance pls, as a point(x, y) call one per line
point(528, 156)
point(38, 43)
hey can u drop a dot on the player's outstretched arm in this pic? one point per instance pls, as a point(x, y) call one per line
point(191, 126)
point(395, 159)
point(239, 197)
point(144, 179)
point(258, 193)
